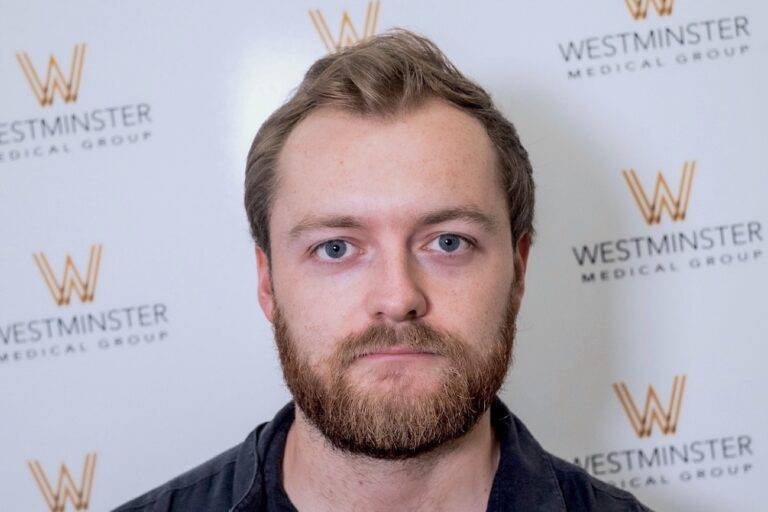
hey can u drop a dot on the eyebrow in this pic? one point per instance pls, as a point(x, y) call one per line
point(467, 213)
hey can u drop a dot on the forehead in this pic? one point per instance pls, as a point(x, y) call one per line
point(389, 170)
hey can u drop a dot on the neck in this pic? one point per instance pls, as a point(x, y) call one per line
point(457, 476)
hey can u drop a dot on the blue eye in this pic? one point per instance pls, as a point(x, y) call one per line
point(334, 248)
point(449, 243)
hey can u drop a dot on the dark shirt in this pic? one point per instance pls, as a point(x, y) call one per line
point(248, 477)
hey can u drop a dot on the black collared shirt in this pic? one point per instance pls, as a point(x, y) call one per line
point(248, 477)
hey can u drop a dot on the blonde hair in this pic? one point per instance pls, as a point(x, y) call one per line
point(386, 75)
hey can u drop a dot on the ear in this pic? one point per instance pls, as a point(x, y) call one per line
point(266, 293)
point(522, 248)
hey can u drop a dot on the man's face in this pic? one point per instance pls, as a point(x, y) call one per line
point(391, 236)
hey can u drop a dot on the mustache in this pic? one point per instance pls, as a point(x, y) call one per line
point(415, 336)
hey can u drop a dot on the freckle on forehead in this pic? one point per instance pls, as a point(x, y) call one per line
point(432, 156)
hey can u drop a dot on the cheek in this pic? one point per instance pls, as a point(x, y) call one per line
point(315, 286)
point(313, 341)
point(315, 301)
point(469, 315)
point(319, 317)
point(472, 307)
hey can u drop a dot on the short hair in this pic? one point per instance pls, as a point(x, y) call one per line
point(383, 76)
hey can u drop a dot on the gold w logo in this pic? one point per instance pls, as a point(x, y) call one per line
point(653, 412)
point(663, 199)
point(54, 77)
point(348, 36)
point(639, 8)
point(72, 280)
point(66, 489)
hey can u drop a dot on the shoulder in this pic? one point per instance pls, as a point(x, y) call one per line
point(582, 491)
point(206, 484)
point(210, 486)
point(536, 477)
point(228, 481)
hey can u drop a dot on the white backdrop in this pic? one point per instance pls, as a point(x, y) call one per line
point(162, 358)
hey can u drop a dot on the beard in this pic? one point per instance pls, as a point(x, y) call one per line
point(392, 425)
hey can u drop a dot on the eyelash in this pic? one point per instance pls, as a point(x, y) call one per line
point(471, 243)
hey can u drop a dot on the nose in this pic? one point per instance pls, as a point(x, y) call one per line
point(395, 293)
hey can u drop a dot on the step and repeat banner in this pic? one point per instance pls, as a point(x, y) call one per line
point(132, 346)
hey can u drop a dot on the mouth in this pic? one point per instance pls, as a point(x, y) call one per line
point(397, 353)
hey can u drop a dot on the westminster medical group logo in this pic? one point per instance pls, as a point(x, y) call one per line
point(662, 199)
point(638, 9)
point(67, 489)
point(671, 243)
point(663, 456)
point(348, 34)
point(81, 323)
point(71, 280)
point(55, 80)
point(654, 412)
point(655, 35)
point(64, 122)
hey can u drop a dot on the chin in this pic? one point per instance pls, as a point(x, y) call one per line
point(402, 381)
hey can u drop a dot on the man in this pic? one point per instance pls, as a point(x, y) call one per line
point(392, 208)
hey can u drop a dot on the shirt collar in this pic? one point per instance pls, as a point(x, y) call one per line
point(524, 480)
point(249, 479)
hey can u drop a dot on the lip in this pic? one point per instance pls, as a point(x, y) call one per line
point(398, 352)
